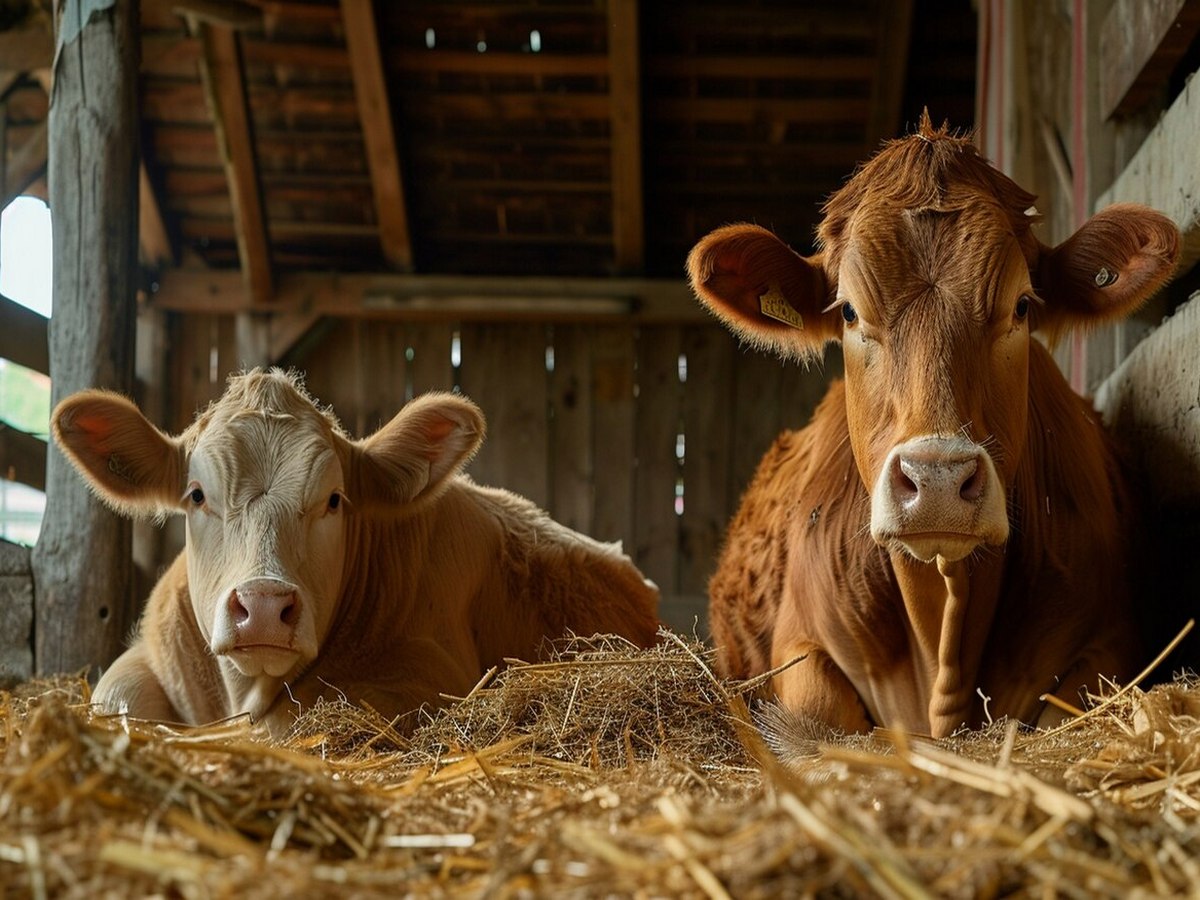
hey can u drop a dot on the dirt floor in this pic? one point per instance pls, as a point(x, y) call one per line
point(608, 771)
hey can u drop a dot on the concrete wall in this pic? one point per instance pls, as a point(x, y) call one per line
point(1152, 404)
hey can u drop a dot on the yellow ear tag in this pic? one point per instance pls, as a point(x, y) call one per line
point(774, 305)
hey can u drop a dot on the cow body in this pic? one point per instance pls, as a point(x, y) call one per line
point(317, 566)
point(947, 539)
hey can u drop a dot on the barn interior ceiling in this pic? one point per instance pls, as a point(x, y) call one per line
point(547, 139)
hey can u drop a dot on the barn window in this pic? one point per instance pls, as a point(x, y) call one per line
point(430, 38)
point(25, 250)
point(535, 41)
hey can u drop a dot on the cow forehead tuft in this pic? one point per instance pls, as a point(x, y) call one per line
point(932, 171)
point(265, 396)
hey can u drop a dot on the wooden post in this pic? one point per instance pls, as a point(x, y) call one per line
point(81, 564)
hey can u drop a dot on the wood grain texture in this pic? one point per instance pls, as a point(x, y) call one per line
point(82, 565)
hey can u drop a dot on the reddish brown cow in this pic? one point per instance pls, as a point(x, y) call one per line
point(950, 526)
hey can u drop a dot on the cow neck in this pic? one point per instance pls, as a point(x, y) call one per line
point(950, 607)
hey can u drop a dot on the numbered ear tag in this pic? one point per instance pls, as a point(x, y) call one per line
point(775, 306)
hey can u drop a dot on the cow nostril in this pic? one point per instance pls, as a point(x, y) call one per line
point(904, 487)
point(237, 610)
point(972, 487)
point(290, 613)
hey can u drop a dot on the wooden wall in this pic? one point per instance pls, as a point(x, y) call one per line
point(643, 434)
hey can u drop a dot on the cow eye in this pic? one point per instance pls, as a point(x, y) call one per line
point(1022, 309)
point(335, 500)
point(197, 496)
point(849, 314)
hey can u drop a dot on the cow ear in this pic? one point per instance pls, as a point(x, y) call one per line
point(764, 292)
point(130, 464)
point(412, 457)
point(1107, 269)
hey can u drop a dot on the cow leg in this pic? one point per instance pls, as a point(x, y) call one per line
point(817, 688)
point(129, 686)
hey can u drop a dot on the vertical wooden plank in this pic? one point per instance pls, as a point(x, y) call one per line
point(613, 361)
point(887, 88)
point(658, 421)
point(82, 566)
point(571, 456)
point(430, 369)
point(331, 373)
point(707, 400)
point(192, 368)
point(625, 90)
point(504, 371)
point(382, 373)
point(758, 382)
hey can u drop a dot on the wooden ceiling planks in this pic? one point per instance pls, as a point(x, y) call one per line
point(529, 137)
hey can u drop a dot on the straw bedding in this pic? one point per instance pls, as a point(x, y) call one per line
point(606, 771)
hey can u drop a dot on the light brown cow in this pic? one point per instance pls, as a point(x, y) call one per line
point(316, 565)
point(951, 524)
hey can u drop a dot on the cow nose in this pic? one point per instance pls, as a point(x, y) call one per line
point(925, 478)
point(264, 611)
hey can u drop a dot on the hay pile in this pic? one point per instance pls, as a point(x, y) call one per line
point(607, 771)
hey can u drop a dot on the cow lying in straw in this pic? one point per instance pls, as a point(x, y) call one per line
point(316, 564)
point(950, 525)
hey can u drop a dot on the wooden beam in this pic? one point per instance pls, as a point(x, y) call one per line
point(625, 125)
point(221, 13)
point(263, 339)
point(1163, 173)
point(379, 135)
point(82, 569)
point(24, 337)
point(1141, 41)
point(153, 240)
point(27, 165)
point(225, 91)
point(438, 297)
point(22, 457)
point(887, 92)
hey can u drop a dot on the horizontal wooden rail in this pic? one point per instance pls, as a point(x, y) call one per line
point(438, 297)
point(24, 336)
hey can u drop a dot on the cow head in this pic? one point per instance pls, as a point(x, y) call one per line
point(930, 276)
point(268, 483)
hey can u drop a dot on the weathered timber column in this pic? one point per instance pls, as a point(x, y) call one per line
point(81, 564)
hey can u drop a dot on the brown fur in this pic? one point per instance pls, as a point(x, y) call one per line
point(935, 252)
point(441, 578)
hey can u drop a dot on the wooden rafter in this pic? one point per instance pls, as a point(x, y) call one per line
point(154, 243)
point(887, 94)
point(629, 243)
point(379, 136)
point(225, 90)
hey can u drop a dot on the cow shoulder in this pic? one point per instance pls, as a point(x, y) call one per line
point(575, 583)
point(799, 508)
